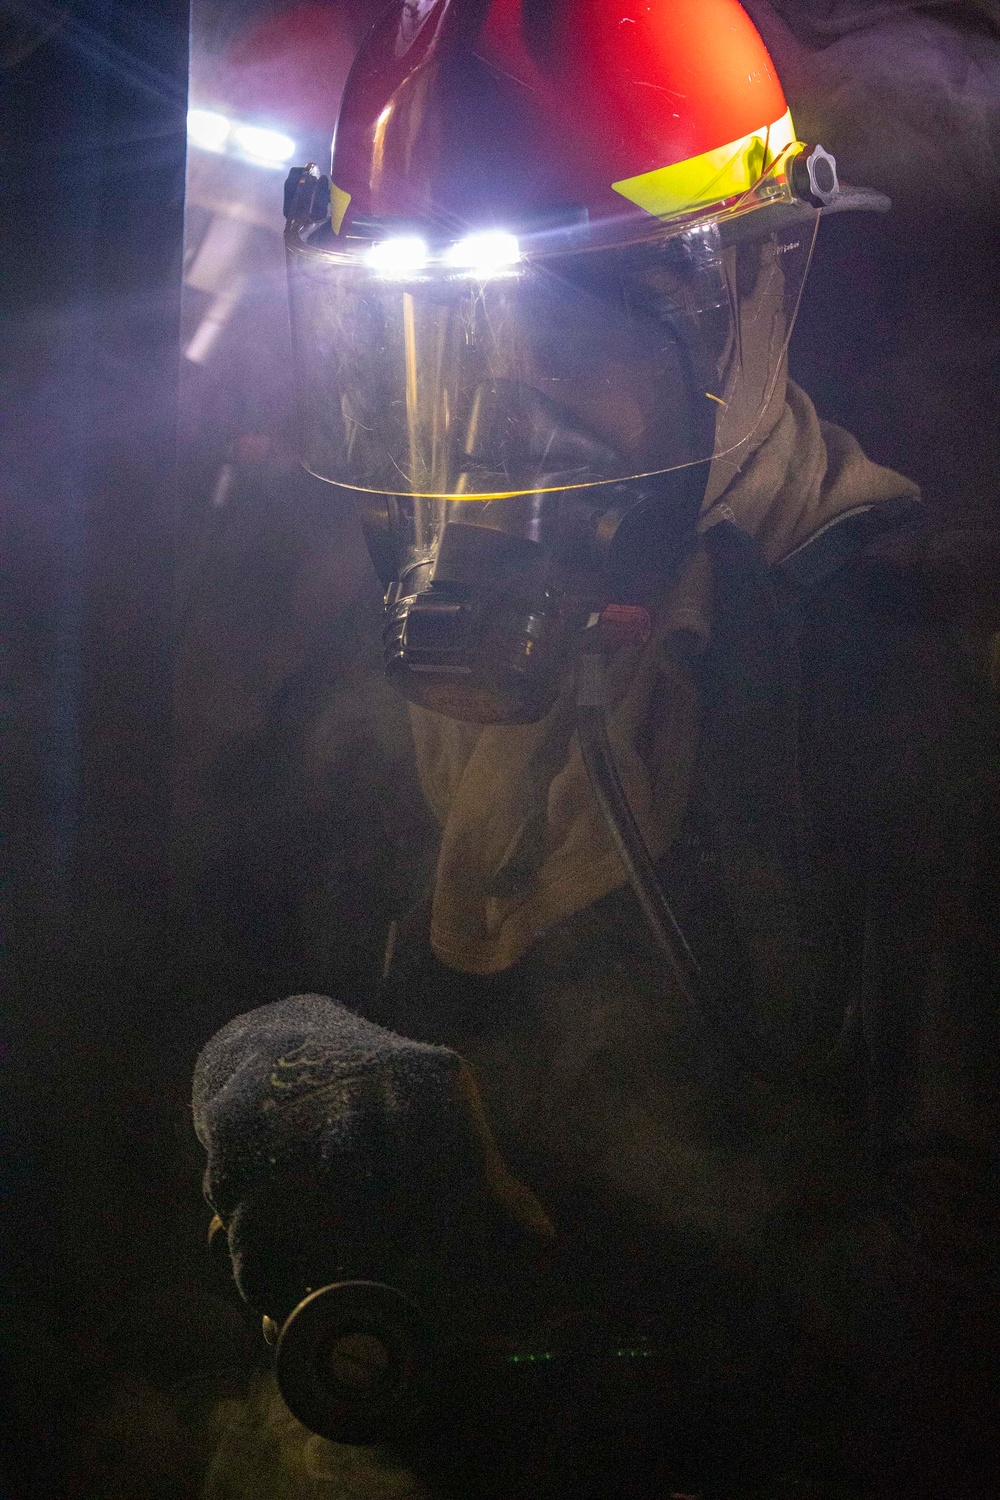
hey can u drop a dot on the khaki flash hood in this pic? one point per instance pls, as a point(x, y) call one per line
point(523, 845)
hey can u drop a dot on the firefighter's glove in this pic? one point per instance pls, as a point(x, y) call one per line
point(337, 1150)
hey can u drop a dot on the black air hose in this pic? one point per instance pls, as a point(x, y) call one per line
point(591, 706)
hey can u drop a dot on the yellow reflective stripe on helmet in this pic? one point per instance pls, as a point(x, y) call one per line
point(338, 206)
point(716, 175)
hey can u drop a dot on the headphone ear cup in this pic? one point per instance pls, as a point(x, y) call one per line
point(354, 1363)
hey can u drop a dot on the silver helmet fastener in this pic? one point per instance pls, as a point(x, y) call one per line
point(814, 177)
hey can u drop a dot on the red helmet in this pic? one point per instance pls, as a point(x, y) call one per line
point(500, 110)
point(553, 273)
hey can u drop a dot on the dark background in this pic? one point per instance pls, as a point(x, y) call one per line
point(207, 795)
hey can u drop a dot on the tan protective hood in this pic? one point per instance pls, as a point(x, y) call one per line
point(523, 845)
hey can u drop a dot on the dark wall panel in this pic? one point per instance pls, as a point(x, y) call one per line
point(92, 123)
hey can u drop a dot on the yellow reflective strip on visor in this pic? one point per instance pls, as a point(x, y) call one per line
point(338, 206)
point(725, 172)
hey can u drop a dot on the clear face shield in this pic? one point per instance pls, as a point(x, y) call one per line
point(527, 419)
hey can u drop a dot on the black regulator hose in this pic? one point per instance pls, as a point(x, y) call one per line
point(591, 709)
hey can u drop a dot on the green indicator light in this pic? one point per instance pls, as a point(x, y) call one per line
point(547, 1354)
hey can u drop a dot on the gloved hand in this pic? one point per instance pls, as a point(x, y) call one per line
point(337, 1150)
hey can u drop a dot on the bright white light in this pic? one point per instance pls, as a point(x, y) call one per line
point(213, 132)
point(485, 253)
point(265, 145)
point(399, 256)
point(207, 129)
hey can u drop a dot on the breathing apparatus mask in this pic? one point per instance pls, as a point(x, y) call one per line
point(525, 415)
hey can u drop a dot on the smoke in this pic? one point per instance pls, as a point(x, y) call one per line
point(899, 335)
point(262, 1453)
point(906, 95)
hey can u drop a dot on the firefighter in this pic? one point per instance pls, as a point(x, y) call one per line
point(662, 1156)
